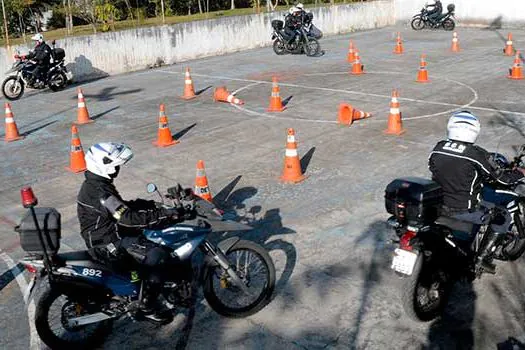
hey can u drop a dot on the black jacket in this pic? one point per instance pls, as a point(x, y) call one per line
point(461, 168)
point(436, 8)
point(41, 54)
point(100, 225)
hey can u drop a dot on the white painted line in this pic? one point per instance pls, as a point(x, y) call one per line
point(34, 340)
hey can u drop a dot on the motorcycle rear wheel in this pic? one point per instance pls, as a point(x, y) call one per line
point(12, 88)
point(57, 82)
point(418, 23)
point(278, 47)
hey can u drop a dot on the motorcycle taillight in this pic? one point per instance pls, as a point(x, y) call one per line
point(400, 211)
point(404, 241)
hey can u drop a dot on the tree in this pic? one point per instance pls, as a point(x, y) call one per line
point(107, 13)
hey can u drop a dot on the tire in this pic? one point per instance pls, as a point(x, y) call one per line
point(312, 48)
point(449, 24)
point(278, 47)
point(63, 82)
point(417, 285)
point(45, 302)
point(418, 24)
point(515, 249)
point(263, 298)
point(13, 96)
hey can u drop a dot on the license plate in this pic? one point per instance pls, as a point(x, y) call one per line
point(404, 261)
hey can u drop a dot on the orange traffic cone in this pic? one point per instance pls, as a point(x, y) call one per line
point(348, 114)
point(455, 43)
point(292, 172)
point(276, 104)
point(509, 49)
point(82, 115)
point(422, 75)
point(189, 91)
point(395, 124)
point(399, 45)
point(516, 72)
point(201, 183)
point(222, 95)
point(11, 131)
point(357, 67)
point(351, 52)
point(164, 138)
point(77, 162)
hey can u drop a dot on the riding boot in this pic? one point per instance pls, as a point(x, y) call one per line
point(151, 307)
point(485, 256)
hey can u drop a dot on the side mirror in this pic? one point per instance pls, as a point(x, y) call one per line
point(150, 188)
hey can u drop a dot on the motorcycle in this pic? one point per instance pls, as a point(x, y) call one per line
point(436, 251)
point(421, 20)
point(20, 75)
point(81, 297)
point(304, 41)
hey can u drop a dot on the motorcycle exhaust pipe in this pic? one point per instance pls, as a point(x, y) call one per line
point(88, 319)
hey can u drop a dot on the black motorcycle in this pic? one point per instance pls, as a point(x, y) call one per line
point(20, 75)
point(304, 41)
point(81, 298)
point(436, 251)
point(446, 21)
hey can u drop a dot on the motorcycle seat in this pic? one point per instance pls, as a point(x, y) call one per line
point(455, 224)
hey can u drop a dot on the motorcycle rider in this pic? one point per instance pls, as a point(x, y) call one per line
point(112, 227)
point(41, 55)
point(436, 11)
point(461, 168)
point(292, 22)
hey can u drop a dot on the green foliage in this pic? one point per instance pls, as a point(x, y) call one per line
point(107, 14)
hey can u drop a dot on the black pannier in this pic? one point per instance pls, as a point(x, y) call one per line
point(59, 54)
point(49, 223)
point(451, 8)
point(277, 24)
point(414, 201)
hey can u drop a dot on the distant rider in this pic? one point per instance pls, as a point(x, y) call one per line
point(41, 55)
point(436, 10)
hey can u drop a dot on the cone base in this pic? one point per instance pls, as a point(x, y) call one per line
point(357, 73)
point(270, 109)
point(514, 78)
point(423, 81)
point(89, 121)
point(76, 171)
point(292, 181)
point(11, 139)
point(158, 144)
point(397, 133)
point(188, 97)
point(457, 50)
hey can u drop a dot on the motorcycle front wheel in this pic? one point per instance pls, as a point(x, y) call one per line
point(278, 47)
point(312, 48)
point(53, 310)
point(418, 23)
point(12, 88)
point(57, 81)
point(255, 268)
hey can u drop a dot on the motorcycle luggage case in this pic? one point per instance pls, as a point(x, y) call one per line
point(414, 201)
point(59, 54)
point(49, 223)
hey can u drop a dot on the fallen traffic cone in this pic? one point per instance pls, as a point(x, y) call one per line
point(82, 115)
point(399, 45)
point(164, 138)
point(422, 75)
point(189, 91)
point(222, 95)
point(509, 49)
point(77, 162)
point(292, 172)
point(455, 43)
point(351, 53)
point(357, 67)
point(201, 183)
point(395, 124)
point(11, 131)
point(276, 104)
point(516, 72)
point(348, 114)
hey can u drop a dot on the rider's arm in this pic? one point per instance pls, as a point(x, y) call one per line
point(490, 169)
point(130, 216)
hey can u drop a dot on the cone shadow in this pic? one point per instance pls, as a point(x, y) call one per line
point(183, 132)
point(287, 100)
point(202, 90)
point(95, 117)
point(28, 132)
point(305, 161)
point(225, 192)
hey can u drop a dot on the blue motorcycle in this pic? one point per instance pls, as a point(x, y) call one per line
point(81, 297)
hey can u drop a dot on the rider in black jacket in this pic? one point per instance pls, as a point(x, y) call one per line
point(41, 54)
point(461, 167)
point(112, 227)
point(435, 13)
point(293, 22)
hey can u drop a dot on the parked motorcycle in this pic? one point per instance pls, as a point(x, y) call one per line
point(446, 21)
point(436, 251)
point(20, 75)
point(82, 297)
point(303, 43)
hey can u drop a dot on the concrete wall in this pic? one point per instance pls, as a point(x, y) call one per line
point(471, 11)
point(124, 51)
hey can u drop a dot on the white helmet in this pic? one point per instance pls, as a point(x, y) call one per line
point(300, 6)
point(104, 158)
point(38, 37)
point(464, 127)
point(292, 10)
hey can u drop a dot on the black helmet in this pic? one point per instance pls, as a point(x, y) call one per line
point(451, 7)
